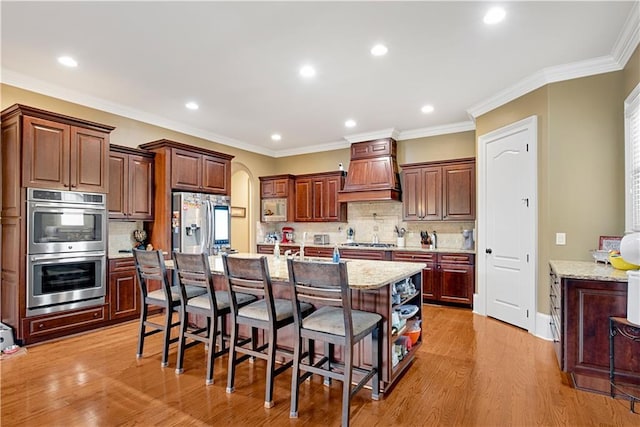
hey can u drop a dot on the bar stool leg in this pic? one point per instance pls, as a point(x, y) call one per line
point(142, 329)
point(231, 372)
point(271, 363)
point(181, 342)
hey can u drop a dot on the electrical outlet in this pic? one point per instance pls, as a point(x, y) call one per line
point(561, 238)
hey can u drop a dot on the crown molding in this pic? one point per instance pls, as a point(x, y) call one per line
point(377, 134)
point(629, 37)
point(35, 85)
point(318, 148)
point(437, 130)
point(624, 47)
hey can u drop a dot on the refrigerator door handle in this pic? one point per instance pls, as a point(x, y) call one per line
point(206, 243)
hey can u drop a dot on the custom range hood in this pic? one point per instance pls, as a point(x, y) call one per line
point(373, 172)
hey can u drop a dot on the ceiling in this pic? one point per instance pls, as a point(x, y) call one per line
point(239, 61)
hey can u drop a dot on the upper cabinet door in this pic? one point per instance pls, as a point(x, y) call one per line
point(89, 160)
point(45, 154)
point(140, 188)
point(459, 192)
point(186, 170)
point(64, 157)
point(304, 200)
point(118, 185)
point(432, 194)
point(215, 175)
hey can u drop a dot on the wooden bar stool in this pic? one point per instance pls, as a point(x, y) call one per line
point(150, 267)
point(334, 323)
point(194, 270)
point(251, 276)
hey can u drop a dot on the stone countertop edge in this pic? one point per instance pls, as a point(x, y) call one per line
point(363, 274)
point(374, 248)
point(588, 270)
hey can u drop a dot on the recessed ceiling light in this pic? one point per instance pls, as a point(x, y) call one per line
point(379, 50)
point(350, 123)
point(192, 105)
point(307, 71)
point(68, 61)
point(276, 137)
point(494, 15)
point(427, 109)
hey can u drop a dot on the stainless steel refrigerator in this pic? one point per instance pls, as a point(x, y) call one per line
point(200, 223)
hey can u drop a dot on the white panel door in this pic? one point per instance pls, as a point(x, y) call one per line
point(509, 223)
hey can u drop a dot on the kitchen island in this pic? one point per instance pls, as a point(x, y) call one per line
point(583, 295)
point(374, 287)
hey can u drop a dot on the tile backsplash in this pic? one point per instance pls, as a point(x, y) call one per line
point(121, 235)
point(369, 218)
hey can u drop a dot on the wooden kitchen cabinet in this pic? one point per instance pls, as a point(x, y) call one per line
point(316, 198)
point(181, 167)
point(277, 186)
point(200, 172)
point(581, 336)
point(124, 293)
point(63, 153)
point(448, 277)
point(439, 191)
point(130, 184)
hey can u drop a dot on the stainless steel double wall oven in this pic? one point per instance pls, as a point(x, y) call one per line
point(66, 245)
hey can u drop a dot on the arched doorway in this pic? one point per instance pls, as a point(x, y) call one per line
point(241, 191)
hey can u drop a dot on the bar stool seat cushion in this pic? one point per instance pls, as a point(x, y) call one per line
point(283, 308)
point(192, 291)
point(330, 320)
point(222, 300)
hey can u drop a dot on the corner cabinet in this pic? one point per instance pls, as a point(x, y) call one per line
point(61, 152)
point(439, 191)
point(181, 167)
point(130, 184)
point(317, 198)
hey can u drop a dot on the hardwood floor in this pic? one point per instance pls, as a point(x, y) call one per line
point(472, 370)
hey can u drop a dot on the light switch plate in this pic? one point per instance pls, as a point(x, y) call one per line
point(561, 238)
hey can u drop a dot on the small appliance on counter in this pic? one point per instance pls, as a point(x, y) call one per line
point(320, 239)
point(287, 235)
point(350, 234)
point(468, 242)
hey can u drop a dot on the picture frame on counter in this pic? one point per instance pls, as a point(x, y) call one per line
point(609, 243)
point(238, 212)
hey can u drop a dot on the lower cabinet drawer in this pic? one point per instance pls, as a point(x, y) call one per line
point(364, 254)
point(413, 256)
point(59, 324)
point(456, 259)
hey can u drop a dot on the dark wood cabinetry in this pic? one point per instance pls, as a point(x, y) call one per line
point(200, 172)
point(582, 344)
point(130, 184)
point(448, 277)
point(373, 172)
point(282, 188)
point(181, 167)
point(63, 155)
point(124, 294)
point(317, 198)
point(43, 149)
point(437, 191)
point(277, 186)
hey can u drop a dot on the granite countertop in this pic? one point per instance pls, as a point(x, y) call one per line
point(363, 274)
point(587, 270)
point(378, 248)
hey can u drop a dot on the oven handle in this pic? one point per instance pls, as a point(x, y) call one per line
point(85, 256)
point(57, 206)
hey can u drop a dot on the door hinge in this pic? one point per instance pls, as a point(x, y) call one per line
point(527, 313)
point(527, 148)
point(527, 257)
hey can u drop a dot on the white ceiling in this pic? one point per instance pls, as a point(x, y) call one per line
point(240, 61)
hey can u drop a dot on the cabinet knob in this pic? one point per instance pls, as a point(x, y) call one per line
point(41, 325)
